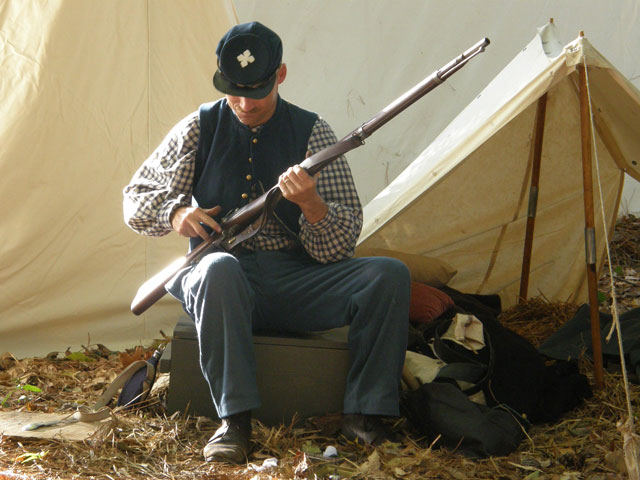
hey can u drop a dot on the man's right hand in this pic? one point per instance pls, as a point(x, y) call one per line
point(187, 221)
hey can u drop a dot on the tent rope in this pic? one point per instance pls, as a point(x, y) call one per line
point(631, 440)
point(614, 299)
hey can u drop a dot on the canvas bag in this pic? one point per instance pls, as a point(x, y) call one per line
point(135, 383)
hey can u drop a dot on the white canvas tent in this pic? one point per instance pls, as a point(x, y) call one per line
point(465, 198)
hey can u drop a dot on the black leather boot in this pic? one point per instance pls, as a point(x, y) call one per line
point(232, 441)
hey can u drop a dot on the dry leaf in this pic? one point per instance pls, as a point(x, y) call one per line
point(371, 468)
point(139, 353)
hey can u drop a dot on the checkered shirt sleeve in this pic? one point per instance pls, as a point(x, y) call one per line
point(164, 181)
point(334, 237)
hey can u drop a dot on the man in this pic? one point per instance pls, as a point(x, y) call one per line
point(297, 273)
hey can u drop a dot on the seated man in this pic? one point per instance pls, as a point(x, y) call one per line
point(296, 274)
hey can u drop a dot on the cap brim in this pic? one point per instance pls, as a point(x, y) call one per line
point(225, 86)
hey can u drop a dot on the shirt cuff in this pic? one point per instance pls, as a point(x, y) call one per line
point(322, 225)
point(164, 217)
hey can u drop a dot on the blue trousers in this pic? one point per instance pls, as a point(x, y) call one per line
point(231, 296)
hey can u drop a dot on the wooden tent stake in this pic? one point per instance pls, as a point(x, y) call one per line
point(590, 237)
point(538, 134)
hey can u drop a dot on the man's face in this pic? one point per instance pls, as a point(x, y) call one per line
point(253, 112)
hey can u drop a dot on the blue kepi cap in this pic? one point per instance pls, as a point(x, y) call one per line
point(248, 57)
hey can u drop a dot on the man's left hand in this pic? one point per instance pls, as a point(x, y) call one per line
point(299, 187)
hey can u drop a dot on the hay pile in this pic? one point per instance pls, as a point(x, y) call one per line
point(585, 444)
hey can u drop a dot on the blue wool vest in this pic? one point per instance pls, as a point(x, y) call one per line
point(234, 165)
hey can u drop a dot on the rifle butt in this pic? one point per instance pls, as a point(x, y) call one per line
point(154, 289)
point(143, 300)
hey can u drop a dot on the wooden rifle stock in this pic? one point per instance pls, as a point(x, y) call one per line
point(248, 220)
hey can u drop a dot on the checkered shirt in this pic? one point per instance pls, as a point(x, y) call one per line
point(164, 182)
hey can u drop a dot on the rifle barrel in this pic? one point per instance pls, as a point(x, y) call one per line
point(420, 90)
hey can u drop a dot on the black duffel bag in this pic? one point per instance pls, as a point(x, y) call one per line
point(444, 414)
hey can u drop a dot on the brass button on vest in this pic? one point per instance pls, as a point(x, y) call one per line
point(249, 177)
point(245, 196)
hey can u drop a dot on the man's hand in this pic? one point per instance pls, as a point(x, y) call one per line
point(187, 221)
point(299, 187)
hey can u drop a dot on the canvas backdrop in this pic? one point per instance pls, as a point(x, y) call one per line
point(89, 89)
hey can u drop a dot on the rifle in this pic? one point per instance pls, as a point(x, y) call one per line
point(249, 220)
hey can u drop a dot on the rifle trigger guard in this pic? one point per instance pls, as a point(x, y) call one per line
point(231, 240)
